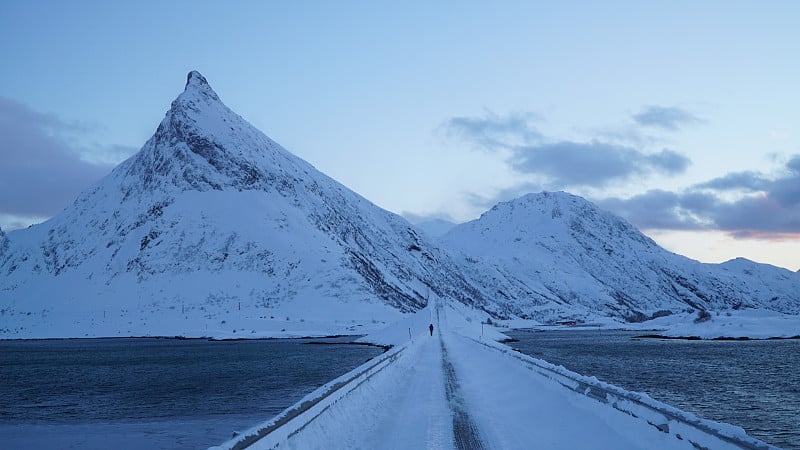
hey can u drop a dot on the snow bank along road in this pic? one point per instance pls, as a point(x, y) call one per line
point(453, 390)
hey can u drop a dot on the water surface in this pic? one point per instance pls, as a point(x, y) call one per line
point(752, 384)
point(156, 393)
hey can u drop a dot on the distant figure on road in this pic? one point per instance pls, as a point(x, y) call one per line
point(430, 327)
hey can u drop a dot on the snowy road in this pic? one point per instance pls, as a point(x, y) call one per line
point(465, 432)
point(454, 391)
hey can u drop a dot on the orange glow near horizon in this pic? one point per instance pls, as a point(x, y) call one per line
point(782, 250)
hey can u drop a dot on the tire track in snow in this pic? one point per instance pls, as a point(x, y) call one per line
point(465, 434)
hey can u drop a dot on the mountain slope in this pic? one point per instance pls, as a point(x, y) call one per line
point(582, 262)
point(213, 228)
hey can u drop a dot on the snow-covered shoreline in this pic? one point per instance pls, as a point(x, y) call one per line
point(406, 402)
point(214, 230)
point(732, 325)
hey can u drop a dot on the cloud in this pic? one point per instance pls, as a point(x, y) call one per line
point(751, 217)
point(593, 164)
point(794, 164)
point(748, 181)
point(492, 132)
point(560, 163)
point(42, 170)
point(761, 216)
point(784, 190)
point(655, 209)
point(664, 117)
point(763, 206)
point(768, 211)
point(415, 218)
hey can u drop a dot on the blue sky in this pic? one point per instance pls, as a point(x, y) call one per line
point(680, 116)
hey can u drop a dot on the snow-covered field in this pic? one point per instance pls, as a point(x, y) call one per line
point(744, 324)
point(752, 324)
point(458, 389)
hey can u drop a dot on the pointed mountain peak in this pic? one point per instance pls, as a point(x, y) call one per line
point(201, 144)
point(194, 77)
point(197, 84)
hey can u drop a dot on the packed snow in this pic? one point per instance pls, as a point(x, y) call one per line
point(458, 389)
point(750, 324)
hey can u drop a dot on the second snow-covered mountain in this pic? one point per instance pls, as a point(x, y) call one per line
point(214, 229)
point(559, 257)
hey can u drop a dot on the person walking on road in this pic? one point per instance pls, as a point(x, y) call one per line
point(430, 327)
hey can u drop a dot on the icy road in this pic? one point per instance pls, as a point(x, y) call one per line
point(459, 389)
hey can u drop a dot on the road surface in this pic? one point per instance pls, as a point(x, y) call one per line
point(452, 390)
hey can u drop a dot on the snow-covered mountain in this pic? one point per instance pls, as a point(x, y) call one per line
point(213, 228)
point(558, 256)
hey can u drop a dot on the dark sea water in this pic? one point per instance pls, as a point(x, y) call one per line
point(752, 384)
point(156, 393)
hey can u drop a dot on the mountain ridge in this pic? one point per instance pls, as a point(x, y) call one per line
point(602, 259)
point(211, 212)
point(213, 228)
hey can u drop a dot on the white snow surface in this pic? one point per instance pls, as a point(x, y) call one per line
point(557, 257)
point(213, 229)
point(751, 324)
point(429, 391)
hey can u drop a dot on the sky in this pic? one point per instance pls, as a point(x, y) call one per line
point(680, 116)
